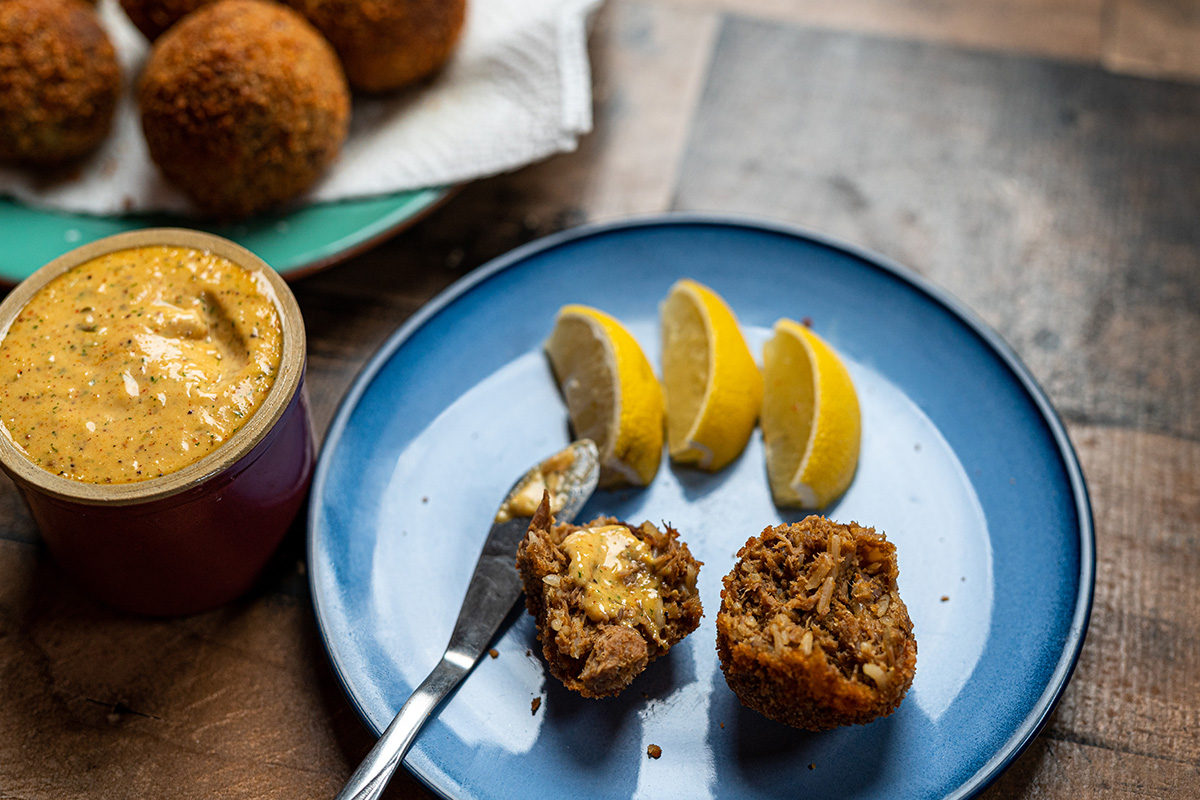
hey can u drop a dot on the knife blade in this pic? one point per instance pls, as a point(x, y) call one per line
point(570, 476)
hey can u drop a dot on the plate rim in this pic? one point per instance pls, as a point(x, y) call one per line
point(419, 203)
point(1059, 678)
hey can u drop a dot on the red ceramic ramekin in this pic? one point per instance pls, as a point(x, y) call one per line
point(193, 539)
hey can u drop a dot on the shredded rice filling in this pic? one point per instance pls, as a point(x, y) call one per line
point(811, 598)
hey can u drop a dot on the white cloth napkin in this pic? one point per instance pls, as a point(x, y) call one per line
point(517, 89)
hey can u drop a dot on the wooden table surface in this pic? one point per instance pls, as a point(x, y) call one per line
point(1040, 159)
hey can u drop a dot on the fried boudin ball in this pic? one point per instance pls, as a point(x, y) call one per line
point(609, 598)
point(812, 631)
point(59, 81)
point(244, 105)
point(387, 44)
point(153, 17)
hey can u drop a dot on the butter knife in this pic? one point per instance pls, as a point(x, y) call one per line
point(570, 477)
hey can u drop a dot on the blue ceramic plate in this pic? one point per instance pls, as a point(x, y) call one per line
point(964, 465)
point(294, 242)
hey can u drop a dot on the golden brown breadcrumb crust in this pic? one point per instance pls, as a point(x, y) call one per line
point(59, 81)
point(387, 44)
point(812, 631)
point(244, 105)
point(599, 659)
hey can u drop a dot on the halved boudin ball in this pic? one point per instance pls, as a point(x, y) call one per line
point(244, 105)
point(812, 631)
point(59, 81)
point(609, 598)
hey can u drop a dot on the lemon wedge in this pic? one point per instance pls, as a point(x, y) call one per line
point(612, 394)
point(811, 424)
point(712, 386)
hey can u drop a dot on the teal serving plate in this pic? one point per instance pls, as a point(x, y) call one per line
point(295, 242)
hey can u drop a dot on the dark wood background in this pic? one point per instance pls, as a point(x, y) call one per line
point(1040, 159)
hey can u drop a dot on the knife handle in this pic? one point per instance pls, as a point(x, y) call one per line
point(373, 774)
point(491, 594)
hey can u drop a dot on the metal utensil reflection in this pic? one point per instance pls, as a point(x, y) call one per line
point(494, 588)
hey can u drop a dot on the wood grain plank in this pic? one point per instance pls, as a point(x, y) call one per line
point(236, 703)
point(650, 61)
point(1055, 199)
point(1054, 768)
point(1154, 38)
point(1067, 29)
point(1136, 689)
point(1129, 723)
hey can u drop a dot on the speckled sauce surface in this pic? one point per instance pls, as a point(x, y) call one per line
point(138, 363)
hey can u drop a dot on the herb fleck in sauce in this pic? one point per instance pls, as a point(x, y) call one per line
point(137, 363)
point(615, 570)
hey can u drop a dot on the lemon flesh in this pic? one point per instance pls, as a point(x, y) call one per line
point(611, 392)
point(811, 423)
point(712, 386)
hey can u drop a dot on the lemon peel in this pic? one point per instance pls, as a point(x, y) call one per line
point(611, 392)
point(712, 386)
point(811, 421)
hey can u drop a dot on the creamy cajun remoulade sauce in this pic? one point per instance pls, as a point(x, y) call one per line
point(137, 363)
point(524, 500)
point(615, 570)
